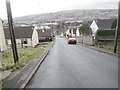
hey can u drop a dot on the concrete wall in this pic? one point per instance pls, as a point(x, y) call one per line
point(88, 40)
point(31, 42)
point(19, 43)
point(2, 38)
point(35, 38)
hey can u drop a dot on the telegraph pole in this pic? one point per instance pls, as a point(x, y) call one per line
point(117, 28)
point(12, 35)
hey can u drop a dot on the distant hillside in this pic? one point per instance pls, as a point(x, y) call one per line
point(69, 15)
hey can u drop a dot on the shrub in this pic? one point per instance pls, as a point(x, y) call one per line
point(110, 32)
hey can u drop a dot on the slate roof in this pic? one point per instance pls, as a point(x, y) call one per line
point(1, 20)
point(20, 32)
point(105, 23)
point(46, 33)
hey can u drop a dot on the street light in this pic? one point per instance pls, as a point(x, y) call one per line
point(10, 22)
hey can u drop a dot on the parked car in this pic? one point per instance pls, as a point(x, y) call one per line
point(72, 41)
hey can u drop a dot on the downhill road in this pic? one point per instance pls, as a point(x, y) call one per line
point(76, 66)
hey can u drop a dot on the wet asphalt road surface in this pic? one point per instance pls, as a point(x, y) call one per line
point(76, 66)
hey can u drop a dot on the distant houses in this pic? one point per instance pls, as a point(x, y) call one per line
point(26, 36)
point(94, 26)
point(2, 37)
point(30, 36)
point(73, 32)
point(45, 33)
point(101, 24)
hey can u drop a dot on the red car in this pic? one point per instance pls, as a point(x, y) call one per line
point(72, 41)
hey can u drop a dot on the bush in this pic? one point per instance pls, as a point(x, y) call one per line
point(114, 24)
point(24, 55)
point(106, 32)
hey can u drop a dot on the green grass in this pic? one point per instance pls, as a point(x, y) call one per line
point(108, 45)
point(24, 55)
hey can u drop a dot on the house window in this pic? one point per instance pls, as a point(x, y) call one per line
point(25, 41)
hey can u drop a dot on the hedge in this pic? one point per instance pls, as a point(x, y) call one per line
point(114, 24)
point(106, 32)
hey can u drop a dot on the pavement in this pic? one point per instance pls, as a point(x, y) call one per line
point(101, 49)
point(76, 66)
point(20, 78)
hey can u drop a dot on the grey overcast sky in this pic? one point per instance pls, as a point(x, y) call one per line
point(27, 7)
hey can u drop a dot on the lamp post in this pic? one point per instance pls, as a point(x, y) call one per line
point(82, 38)
point(10, 22)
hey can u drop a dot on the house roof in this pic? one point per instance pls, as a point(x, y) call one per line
point(20, 32)
point(45, 33)
point(1, 20)
point(72, 27)
point(105, 23)
point(44, 27)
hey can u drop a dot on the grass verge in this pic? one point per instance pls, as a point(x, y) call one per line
point(108, 46)
point(25, 55)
